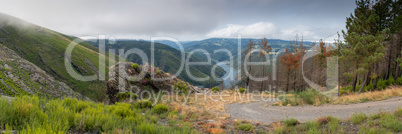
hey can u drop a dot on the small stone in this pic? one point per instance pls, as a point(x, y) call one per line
point(143, 114)
point(6, 66)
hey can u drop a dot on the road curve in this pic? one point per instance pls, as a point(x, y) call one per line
point(265, 113)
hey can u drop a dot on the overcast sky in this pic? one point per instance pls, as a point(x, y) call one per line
point(186, 19)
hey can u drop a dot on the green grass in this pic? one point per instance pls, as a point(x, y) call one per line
point(245, 126)
point(31, 114)
point(358, 118)
point(309, 96)
point(291, 122)
point(374, 124)
point(46, 48)
point(9, 86)
point(160, 108)
point(390, 121)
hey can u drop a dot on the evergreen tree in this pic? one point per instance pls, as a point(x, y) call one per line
point(364, 42)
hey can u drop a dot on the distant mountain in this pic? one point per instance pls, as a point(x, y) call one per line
point(46, 49)
point(171, 43)
point(231, 44)
point(168, 59)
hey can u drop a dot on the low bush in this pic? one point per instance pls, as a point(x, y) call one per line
point(399, 81)
point(398, 112)
point(358, 118)
point(242, 90)
point(160, 108)
point(181, 87)
point(290, 122)
point(158, 72)
point(135, 66)
point(390, 121)
point(215, 89)
point(143, 104)
point(309, 96)
point(126, 95)
point(245, 127)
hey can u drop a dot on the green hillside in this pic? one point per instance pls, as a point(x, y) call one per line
point(45, 48)
point(168, 59)
point(231, 44)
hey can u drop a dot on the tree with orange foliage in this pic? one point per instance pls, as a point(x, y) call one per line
point(291, 62)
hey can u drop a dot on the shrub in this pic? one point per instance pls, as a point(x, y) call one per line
point(309, 96)
point(242, 90)
point(291, 122)
point(215, 89)
point(135, 66)
point(245, 127)
point(325, 120)
point(312, 125)
point(375, 116)
point(181, 87)
point(158, 72)
point(382, 84)
point(125, 95)
point(398, 112)
point(390, 80)
point(399, 81)
point(391, 122)
point(153, 119)
point(143, 104)
point(358, 118)
point(160, 108)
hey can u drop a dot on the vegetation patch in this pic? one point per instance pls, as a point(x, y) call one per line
point(242, 90)
point(215, 89)
point(31, 114)
point(291, 122)
point(358, 118)
point(135, 66)
point(143, 104)
point(160, 108)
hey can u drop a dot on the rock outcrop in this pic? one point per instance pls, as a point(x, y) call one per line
point(124, 78)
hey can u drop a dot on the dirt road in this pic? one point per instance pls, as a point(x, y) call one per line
point(265, 113)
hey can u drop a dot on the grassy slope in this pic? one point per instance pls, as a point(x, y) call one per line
point(168, 59)
point(45, 48)
point(30, 114)
point(23, 78)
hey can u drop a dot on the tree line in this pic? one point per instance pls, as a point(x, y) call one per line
point(369, 53)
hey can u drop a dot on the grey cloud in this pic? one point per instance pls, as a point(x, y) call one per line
point(184, 19)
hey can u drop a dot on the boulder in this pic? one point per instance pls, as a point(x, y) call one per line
point(124, 78)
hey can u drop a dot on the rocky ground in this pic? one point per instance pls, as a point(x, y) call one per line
point(29, 77)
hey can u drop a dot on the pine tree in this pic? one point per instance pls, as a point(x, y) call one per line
point(249, 49)
point(264, 49)
point(364, 43)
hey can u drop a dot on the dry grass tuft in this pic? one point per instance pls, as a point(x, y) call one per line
point(370, 96)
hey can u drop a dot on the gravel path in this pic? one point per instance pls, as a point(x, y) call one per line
point(265, 113)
